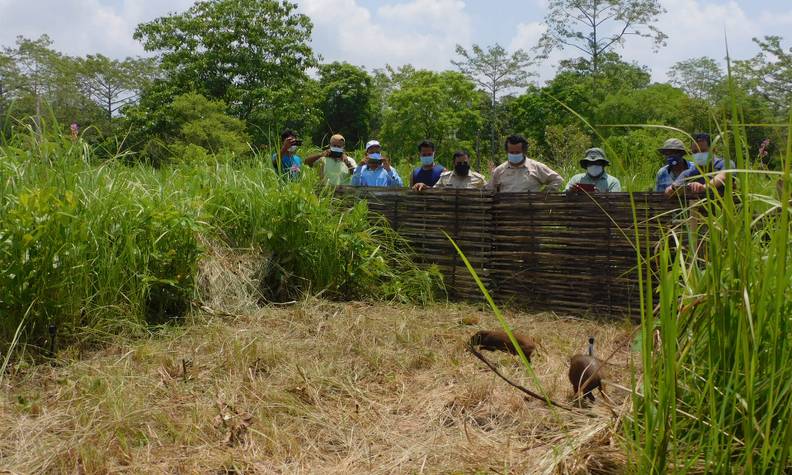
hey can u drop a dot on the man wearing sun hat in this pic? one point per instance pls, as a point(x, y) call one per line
point(594, 162)
point(674, 152)
point(377, 170)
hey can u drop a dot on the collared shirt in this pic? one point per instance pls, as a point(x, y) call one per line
point(449, 179)
point(364, 176)
point(694, 174)
point(530, 175)
point(666, 177)
point(336, 171)
point(289, 166)
point(603, 183)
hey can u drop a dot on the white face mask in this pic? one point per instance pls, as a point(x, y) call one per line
point(516, 157)
point(292, 149)
point(594, 170)
point(701, 158)
point(337, 149)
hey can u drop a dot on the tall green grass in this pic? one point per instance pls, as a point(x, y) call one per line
point(715, 392)
point(95, 247)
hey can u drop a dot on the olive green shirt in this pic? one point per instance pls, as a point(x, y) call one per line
point(336, 172)
point(604, 183)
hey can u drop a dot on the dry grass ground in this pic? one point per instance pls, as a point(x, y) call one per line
point(318, 387)
point(315, 387)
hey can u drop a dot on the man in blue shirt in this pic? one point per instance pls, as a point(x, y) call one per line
point(429, 172)
point(705, 162)
point(289, 163)
point(377, 171)
point(674, 152)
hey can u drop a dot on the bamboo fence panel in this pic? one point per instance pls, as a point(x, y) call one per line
point(572, 253)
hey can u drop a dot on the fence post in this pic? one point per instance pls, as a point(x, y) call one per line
point(456, 238)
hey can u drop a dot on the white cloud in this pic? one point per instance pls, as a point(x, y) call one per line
point(81, 27)
point(695, 28)
point(527, 38)
point(420, 32)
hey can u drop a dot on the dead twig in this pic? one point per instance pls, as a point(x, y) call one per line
point(527, 391)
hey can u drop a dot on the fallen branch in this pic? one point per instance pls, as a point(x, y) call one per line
point(527, 391)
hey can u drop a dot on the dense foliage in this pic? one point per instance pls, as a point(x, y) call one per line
point(253, 58)
point(97, 246)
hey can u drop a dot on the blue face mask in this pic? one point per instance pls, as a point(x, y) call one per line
point(426, 161)
point(516, 158)
point(701, 158)
point(674, 161)
point(375, 156)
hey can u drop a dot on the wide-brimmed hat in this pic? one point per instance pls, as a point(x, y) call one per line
point(672, 145)
point(594, 155)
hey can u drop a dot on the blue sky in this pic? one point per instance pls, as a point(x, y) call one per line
point(373, 33)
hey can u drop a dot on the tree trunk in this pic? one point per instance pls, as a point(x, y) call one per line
point(38, 114)
point(493, 118)
point(109, 105)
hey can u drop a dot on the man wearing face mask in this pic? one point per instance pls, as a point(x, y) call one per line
point(705, 162)
point(594, 162)
point(674, 152)
point(289, 163)
point(429, 172)
point(461, 176)
point(336, 166)
point(377, 171)
point(520, 173)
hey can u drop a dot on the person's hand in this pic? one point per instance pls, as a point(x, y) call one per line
point(696, 187)
point(386, 164)
point(348, 162)
point(326, 153)
point(491, 166)
point(419, 186)
point(287, 142)
point(670, 191)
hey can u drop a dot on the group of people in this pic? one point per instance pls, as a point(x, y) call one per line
point(517, 174)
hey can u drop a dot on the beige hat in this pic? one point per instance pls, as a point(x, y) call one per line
point(338, 138)
point(675, 145)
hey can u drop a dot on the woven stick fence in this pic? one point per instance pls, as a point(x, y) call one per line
point(572, 253)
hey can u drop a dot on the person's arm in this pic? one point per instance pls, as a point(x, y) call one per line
point(679, 183)
point(478, 182)
point(719, 180)
point(549, 178)
point(572, 182)
point(288, 142)
point(357, 176)
point(660, 187)
point(349, 162)
point(313, 158)
point(493, 183)
point(615, 185)
point(394, 180)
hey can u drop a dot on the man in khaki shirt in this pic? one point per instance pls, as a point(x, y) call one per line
point(520, 173)
point(461, 176)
